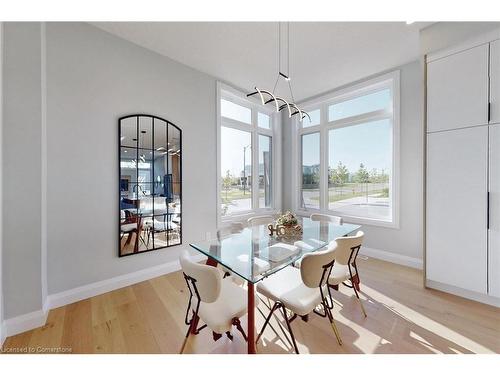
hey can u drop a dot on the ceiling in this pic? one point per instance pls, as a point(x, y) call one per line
point(323, 55)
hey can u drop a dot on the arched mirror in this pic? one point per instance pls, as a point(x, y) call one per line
point(150, 186)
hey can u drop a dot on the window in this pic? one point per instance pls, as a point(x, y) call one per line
point(265, 171)
point(359, 170)
point(236, 168)
point(310, 171)
point(315, 116)
point(236, 112)
point(379, 100)
point(264, 121)
point(357, 176)
point(247, 162)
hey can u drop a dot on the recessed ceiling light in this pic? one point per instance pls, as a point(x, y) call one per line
point(409, 22)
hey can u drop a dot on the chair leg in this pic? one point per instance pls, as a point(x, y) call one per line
point(236, 322)
point(274, 330)
point(275, 306)
point(190, 328)
point(359, 300)
point(356, 281)
point(185, 341)
point(332, 323)
point(290, 330)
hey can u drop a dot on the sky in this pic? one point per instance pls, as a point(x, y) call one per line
point(368, 143)
point(234, 142)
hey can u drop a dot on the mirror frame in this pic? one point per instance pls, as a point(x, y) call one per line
point(168, 123)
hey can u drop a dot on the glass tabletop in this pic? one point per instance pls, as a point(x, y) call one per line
point(253, 254)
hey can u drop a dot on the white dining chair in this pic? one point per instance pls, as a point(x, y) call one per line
point(337, 220)
point(301, 291)
point(344, 267)
point(260, 220)
point(228, 229)
point(223, 232)
point(218, 302)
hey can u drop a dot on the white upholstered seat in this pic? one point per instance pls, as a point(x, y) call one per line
point(260, 220)
point(232, 303)
point(340, 273)
point(125, 228)
point(345, 268)
point(337, 220)
point(226, 231)
point(301, 290)
point(287, 286)
point(221, 302)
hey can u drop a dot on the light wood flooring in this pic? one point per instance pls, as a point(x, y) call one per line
point(403, 317)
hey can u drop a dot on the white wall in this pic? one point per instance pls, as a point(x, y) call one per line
point(93, 78)
point(444, 34)
point(407, 241)
point(21, 148)
point(1, 196)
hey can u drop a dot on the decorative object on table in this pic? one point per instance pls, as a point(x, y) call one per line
point(270, 97)
point(286, 225)
point(150, 152)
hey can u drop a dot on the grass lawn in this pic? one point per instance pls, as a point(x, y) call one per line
point(235, 194)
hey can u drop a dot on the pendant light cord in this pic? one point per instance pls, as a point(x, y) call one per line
point(279, 57)
point(287, 59)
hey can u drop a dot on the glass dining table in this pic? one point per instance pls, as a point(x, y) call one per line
point(253, 254)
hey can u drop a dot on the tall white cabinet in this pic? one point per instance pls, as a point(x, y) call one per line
point(463, 172)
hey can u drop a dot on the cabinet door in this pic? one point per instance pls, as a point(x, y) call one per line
point(457, 90)
point(495, 82)
point(494, 227)
point(457, 174)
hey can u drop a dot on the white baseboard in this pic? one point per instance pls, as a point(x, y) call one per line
point(23, 323)
point(104, 286)
point(478, 297)
point(37, 319)
point(2, 334)
point(404, 260)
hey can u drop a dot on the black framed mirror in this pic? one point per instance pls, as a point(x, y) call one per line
point(150, 184)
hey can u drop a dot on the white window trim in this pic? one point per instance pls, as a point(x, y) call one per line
point(225, 91)
point(323, 102)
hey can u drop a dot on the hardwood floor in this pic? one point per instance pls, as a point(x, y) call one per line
point(148, 317)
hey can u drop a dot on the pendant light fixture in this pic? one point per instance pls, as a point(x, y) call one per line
point(267, 96)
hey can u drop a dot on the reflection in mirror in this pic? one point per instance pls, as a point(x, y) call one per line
point(145, 132)
point(128, 133)
point(150, 184)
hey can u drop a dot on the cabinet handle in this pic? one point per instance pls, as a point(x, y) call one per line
point(488, 211)
point(489, 112)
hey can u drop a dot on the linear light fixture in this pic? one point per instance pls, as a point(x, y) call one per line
point(267, 97)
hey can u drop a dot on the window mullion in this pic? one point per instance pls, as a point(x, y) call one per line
point(255, 161)
point(323, 163)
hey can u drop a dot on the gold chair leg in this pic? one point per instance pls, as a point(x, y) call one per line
point(359, 299)
point(334, 326)
point(184, 343)
point(362, 307)
point(337, 334)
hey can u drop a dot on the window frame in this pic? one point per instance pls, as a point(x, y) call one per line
point(389, 80)
point(227, 92)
